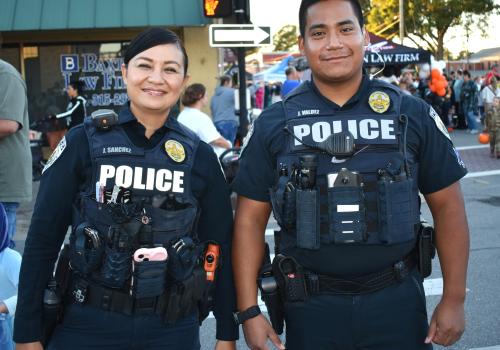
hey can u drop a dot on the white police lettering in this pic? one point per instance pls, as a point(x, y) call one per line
point(162, 180)
point(106, 150)
point(368, 129)
point(308, 112)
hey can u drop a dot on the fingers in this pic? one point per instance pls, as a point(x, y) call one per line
point(432, 331)
point(443, 335)
point(276, 340)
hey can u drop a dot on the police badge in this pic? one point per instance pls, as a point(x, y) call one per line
point(175, 151)
point(379, 101)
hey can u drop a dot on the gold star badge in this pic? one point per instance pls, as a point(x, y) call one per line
point(175, 151)
point(379, 101)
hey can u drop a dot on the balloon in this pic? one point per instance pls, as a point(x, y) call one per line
point(441, 92)
point(484, 138)
point(432, 87)
point(438, 84)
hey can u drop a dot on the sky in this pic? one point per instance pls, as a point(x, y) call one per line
point(277, 13)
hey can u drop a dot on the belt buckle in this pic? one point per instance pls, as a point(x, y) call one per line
point(400, 271)
point(145, 306)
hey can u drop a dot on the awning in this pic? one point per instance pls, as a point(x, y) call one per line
point(21, 15)
point(392, 53)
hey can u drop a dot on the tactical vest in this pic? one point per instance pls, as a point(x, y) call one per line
point(137, 198)
point(377, 204)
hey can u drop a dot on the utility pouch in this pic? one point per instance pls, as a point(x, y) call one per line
point(395, 210)
point(308, 219)
point(289, 209)
point(270, 295)
point(290, 277)
point(426, 249)
point(86, 249)
point(346, 211)
point(184, 296)
point(52, 311)
point(116, 268)
point(148, 279)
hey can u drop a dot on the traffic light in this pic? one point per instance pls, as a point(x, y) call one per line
point(217, 8)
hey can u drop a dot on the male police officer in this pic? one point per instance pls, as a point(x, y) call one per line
point(340, 162)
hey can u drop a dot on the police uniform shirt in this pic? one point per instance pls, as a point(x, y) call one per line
point(428, 144)
point(52, 215)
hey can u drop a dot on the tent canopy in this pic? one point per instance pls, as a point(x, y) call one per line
point(392, 53)
point(274, 73)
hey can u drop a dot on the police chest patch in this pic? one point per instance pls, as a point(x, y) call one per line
point(439, 123)
point(175, 151)
point(55, 154)
point(379, 101)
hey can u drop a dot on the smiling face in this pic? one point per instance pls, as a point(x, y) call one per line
point(333, 41)
point(155, 79)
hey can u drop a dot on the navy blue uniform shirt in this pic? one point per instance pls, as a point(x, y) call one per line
point(52, 215)
point(439, 166)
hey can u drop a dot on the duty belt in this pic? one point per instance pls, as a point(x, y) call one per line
point(83, 292)
point(323, 284)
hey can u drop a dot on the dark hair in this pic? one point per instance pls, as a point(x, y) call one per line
point(289, 71)
point(193, 94)
point(305, 4)
point(153, 37)
point(467, 73)
point(77, 85)
point(224, 79)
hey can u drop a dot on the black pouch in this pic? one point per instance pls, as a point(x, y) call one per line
point(308, 235)
point(184, 296)
point(116, 268)
point(290, 278)
point(346, 213)
point(288, 216)
point(183, 256)
point(395, 211)
point(148, 278)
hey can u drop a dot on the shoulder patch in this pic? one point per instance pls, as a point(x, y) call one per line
point(246, 140)
point(439, 123)
point(55, 154)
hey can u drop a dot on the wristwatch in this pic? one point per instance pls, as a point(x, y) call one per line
point(242, 316)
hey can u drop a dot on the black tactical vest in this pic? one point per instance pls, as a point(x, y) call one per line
point(377, 204)
point(138, 198)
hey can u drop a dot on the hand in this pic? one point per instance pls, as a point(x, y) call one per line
point(447, 323)
point(29, 346)
point(225, 345)
point(257, 330)
point(3, 308)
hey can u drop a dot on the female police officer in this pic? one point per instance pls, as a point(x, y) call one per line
point(138, 191)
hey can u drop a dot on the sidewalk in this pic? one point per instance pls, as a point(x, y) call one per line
point(476, 159)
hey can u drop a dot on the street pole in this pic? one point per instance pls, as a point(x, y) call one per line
point(241, 12)
point(401, 21)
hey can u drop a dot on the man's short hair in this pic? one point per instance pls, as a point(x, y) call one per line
point(305, 4)
point(224, 79)
point(467, 73)
point(289, 70)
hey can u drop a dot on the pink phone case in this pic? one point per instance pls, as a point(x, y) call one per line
point(150, 254)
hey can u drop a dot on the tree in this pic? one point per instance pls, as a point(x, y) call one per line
point(428, 20)
point(285, 38)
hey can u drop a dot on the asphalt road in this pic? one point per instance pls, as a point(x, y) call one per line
point(481, 191)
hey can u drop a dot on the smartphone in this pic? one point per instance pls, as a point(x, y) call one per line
point(150, 254)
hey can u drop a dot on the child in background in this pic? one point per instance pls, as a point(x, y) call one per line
point(10, 264)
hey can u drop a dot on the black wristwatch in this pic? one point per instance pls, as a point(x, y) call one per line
point(242, 316)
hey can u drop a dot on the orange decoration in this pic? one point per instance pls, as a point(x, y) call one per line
point(483, 138)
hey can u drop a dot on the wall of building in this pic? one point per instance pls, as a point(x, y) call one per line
point(203, 59)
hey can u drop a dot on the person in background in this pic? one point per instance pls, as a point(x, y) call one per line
point(75, 111)
point(10, 264)
point(291, 82)
point(457, 91)
point(15, 153)
point(222, 107)
point(194, 100)
point(469, 102)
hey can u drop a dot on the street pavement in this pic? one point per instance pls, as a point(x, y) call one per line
point(481, 190)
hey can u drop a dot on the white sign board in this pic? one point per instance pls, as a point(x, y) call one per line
point(239, 35)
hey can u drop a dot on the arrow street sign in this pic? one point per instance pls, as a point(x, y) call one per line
point(239, 35)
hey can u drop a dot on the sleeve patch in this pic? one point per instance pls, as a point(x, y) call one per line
point(439, 123)
point(459, 159)
point(56, 154)
point(246, 140)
